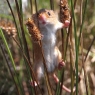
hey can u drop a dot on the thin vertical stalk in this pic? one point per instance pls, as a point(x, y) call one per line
point(69, 29)
point(71, 51)
point(71, 69)
point(52, 4)
point(86, 81)
point(22, 28)
point(89, 49)
point(83, 66)
point(29, 63)
point(61, 73)
point(14, 19)
point(76, 46)
point(3, 52)
point(36, 6)
point(11, 58)
point(20, 9)
point(83, 18)
point(31, 5)
point(91, 42)
point(62, 36)
point(61, 79)
point(25, 47)
point(20, 16)
point(72, 57)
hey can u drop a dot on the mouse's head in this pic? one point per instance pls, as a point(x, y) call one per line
point(47, 18)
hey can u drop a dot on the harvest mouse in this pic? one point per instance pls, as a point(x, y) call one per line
point(48, 25)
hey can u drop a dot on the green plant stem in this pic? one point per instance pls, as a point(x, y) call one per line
point(69, 30)
point(83, 17)
point(72, 73)
point(86, 81)
point(62, 72)
point(62, 79)
point(22, 28)
point(76, 47)
point(29, 63)
point(3, 52)
point(14, 19)
point(89, 49)
point(10, 55)
point(52, 4)
point(31, 6)
point(81, 40)
point(71, 51)
point(25, 47)
point(36, 6)
point(28, 70)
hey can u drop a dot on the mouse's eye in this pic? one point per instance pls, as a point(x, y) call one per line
point(48, 13)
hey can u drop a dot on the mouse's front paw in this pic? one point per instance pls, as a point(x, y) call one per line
point(61, 64)
point(66, 23)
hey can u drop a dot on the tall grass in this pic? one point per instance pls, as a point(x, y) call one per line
point(71, 43)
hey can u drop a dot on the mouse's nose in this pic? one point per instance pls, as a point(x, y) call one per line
point(42, 18)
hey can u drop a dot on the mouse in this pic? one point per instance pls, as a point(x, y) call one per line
point(48, 25)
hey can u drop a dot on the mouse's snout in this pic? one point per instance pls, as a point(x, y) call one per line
point(42, 18)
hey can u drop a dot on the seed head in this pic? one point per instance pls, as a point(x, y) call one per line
point(33, 30)
point(64, 11)
point(8, 27)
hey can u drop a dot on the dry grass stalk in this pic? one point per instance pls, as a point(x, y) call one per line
point(64, 11)
point(33, 30)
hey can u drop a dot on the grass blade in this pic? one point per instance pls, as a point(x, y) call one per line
point(10, 55)
point(76, 46)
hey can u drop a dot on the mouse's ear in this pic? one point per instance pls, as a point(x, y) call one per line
point(41, 10)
